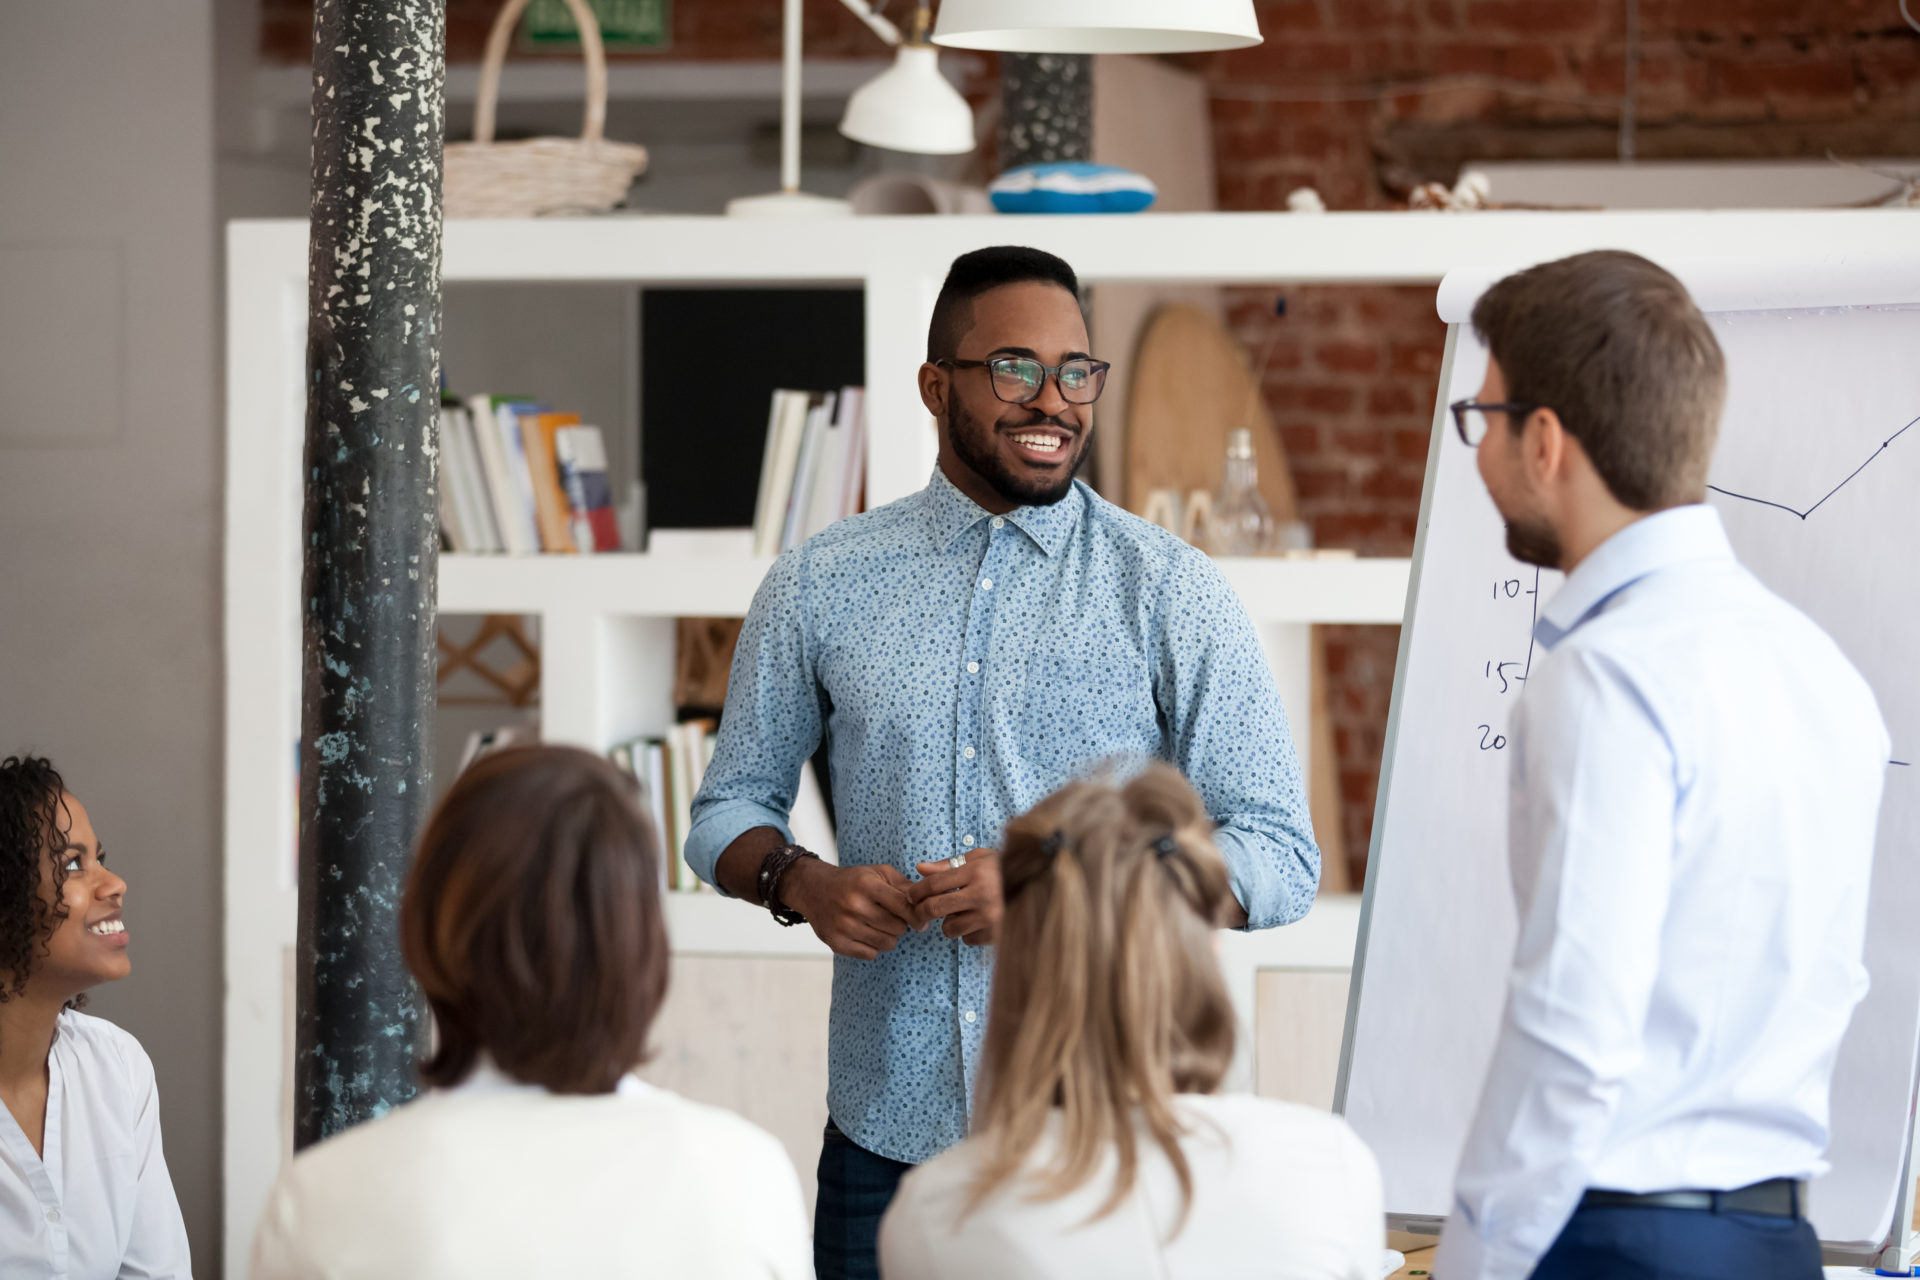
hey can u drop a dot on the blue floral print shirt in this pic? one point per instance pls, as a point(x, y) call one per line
point(962, 666)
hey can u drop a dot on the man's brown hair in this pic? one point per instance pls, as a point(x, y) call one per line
point(532, 921)
point(1615, 346)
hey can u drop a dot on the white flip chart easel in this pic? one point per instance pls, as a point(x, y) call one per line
point(1818, 481)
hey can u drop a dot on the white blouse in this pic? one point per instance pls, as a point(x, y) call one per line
point(497, 1178)
point(1280, 1191)
point(99, 1203)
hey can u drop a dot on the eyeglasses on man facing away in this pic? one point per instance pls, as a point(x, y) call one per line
point(1470, 417)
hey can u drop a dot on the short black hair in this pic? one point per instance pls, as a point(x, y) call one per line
point(972, 274)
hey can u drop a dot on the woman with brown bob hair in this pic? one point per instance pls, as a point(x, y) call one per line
point(1099, 1145)
point(532, 920)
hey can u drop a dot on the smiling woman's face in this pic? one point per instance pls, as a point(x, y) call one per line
point(89, 947)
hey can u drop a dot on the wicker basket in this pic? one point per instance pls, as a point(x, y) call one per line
point(587, 174)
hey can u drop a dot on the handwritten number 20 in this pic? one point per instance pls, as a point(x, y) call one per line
point(1491, 741)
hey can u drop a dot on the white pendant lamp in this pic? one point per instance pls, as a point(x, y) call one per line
point(910, 106)
point(1097, 26)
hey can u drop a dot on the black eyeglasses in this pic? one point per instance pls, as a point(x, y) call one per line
point(1470, 417)
point(1018, 379)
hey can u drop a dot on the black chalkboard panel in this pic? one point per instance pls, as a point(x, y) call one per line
point(710, 361)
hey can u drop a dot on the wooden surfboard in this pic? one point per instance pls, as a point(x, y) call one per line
point(1191, 386)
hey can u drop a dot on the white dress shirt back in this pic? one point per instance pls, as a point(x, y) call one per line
point(98, 1204)
point(1280, 1191)
point(501, 1179)
point(1696, 781)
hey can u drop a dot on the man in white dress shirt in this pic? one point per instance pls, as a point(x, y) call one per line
point(1696, 778)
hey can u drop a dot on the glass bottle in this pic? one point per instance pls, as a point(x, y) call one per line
point(1242, 525)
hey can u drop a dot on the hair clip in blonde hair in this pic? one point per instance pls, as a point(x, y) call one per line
point(1166, 847)
point(1054, 843)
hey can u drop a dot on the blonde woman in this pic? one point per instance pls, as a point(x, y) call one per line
point(1099, 1146)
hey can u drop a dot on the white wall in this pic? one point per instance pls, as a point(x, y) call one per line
point(109, 478)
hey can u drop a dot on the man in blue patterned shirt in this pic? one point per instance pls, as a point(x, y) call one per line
point(964, 652)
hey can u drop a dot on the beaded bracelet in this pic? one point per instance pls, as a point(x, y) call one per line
point(773, 869)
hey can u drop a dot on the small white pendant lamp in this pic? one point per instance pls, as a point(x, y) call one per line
point(1097, 26)
point(910, 106)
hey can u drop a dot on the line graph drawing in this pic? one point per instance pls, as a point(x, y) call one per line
point(1781, 506)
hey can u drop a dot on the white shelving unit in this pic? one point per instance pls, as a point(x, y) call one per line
point(607, 633)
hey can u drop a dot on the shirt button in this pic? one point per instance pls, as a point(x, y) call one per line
point(973, 668)
point(53, 1215)
point(967, 841)
point(968, 753)
point(968, 1015)
point(986, 584)
point(999, 522)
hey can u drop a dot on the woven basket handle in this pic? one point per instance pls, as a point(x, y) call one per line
point(595, 125)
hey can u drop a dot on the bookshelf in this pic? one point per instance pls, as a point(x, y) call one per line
point(606, 622)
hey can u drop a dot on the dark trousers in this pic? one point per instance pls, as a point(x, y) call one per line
point(856, 1186)
point(1681, 1244)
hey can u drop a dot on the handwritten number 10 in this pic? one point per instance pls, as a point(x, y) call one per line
point(1489, 740)
point(1510, 588)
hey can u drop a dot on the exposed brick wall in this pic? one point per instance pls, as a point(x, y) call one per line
point(1362, 98)
point(1350, 379)
point(711, 29)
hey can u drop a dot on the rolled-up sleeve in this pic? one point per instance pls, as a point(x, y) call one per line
point(1230, 738)
point(771, 726)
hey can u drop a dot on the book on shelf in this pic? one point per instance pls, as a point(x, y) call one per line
point(812, 466)
point(517, 533)
point(513, 420)
point(581, 454)
point(670, 767)
point(553, 511)
point(518, 478)
point(474, 528)
point(806, 471)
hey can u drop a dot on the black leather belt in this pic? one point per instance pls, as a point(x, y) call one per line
point(1780, 1197)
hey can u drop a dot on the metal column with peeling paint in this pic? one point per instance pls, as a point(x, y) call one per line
point(371, 547)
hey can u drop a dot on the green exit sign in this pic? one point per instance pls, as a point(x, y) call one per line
point(624, 24)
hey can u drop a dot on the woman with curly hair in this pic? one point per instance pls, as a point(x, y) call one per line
point(84, 1191)
point(1099, 1144)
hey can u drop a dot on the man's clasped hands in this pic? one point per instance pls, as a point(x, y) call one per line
point(861, 911)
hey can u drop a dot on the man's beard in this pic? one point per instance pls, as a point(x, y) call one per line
point(973, 443)
point(1533, 541)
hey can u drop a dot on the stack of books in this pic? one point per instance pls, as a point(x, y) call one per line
point(814, 469)
point(670, 770)
point(518, 479)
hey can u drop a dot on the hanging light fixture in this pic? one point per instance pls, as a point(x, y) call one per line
point(1097, 26)
point(910, 106)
